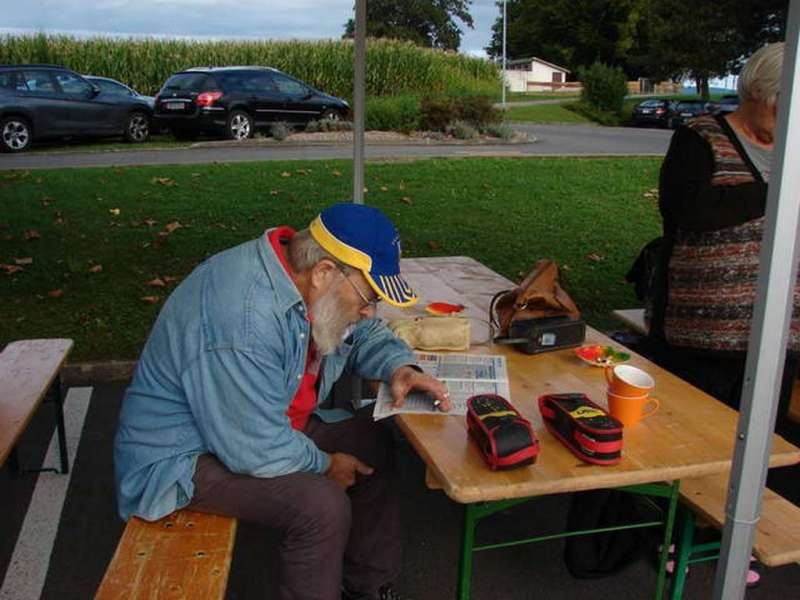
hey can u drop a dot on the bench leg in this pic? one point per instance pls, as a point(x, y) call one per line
point(58, 403)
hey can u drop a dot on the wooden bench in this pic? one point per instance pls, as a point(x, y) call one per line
point(777, 535)
point(29, 372)
point(184, 556)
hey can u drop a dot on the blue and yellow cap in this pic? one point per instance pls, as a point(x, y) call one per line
point(364, 238)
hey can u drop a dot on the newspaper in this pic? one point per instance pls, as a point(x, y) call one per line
point(464, 374)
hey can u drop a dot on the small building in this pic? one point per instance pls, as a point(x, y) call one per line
point(537, 75)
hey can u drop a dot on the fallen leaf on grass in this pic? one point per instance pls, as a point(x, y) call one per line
point(56, 293)
point(47, 200)
point(31, 234)
point(594, 257)
point(172, 226)
point(25, 260)
point(10, 269)
point(150, 299)
point(405, 200)
point(197, 174)
point(301, 171)
point(273, 192)
point(166, 181)
point(566, 267)
point(168, 279)
point(286, 174)
point(384, 188)
point(401, 186)
point(114, 211)
point(434, 245)
point(96, 269)
point(336, 173)
point(157, 282)
point(150, 222)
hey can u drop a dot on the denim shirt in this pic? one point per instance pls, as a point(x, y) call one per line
point(217, 374)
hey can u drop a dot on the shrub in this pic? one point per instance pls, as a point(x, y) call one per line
point(461, 130)
point(280, 130)
point(477, 110)
point(604, 87)
point(392, 113)
point(498, 130)
point(437, 113)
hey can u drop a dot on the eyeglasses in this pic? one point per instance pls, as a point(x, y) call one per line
point(367, 302)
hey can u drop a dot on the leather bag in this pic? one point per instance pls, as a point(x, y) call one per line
point(540, 295)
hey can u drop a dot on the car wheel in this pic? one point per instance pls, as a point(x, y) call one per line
point(331, 115)
point(137, 128)
point(239, 126)
point(15, 134)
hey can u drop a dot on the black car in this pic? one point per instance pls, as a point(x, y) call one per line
point(235, 101)
point(685, 110)
point(40, 102)
point(112, 86)
point(653, 112)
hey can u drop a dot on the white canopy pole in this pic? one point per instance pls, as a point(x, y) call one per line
point(359, 86)
point(767, 346)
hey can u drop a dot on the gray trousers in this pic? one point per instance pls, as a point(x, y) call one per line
point(331, 537)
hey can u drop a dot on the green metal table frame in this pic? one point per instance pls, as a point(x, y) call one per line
point(475, 512)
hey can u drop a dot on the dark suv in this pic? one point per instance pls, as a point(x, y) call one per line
point(234, 101)
point(46, 101)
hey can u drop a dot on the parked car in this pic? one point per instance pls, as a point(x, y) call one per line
point(112, 86)
point(108, 85)
point(685, 110)
point(235, 101)
point(726, 104)
point(40, 102)
point(653, 111)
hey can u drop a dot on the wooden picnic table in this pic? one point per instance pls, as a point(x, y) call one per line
point(691, 435)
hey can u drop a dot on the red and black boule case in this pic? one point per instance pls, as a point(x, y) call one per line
point(582, 426)
point(505, 438)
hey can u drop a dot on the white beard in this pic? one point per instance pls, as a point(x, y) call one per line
point(329, 323)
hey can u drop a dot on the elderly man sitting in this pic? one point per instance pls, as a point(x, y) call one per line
point(222, 414)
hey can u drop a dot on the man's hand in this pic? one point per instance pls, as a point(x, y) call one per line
point(405, 379)
point(343, 469)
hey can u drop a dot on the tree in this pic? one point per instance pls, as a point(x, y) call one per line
point(713, 40)
point(430, 23)
point(571, 33)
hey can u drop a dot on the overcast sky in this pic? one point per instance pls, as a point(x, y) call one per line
point(271, 19)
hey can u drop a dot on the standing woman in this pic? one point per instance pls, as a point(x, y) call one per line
point(713, 192)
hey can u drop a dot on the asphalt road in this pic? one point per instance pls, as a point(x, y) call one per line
point(551, 140)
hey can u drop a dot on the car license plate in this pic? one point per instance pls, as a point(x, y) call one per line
point(686, 114)
point(174, 105)
point(646, 111)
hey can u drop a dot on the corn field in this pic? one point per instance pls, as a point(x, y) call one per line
point(393, 67)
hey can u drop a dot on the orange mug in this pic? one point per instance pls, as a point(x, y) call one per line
point(630, 410)
point(626, 380)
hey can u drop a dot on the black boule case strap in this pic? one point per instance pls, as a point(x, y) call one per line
point(505, 438)
point(585, 428)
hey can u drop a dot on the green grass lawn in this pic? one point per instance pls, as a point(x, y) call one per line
point(98, 236)
point(543, 113)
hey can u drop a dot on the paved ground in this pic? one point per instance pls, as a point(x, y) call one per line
point(552, 140)
point(59, 532)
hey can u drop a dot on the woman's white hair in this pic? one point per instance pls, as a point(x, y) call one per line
point(760, 79)
point(305, 252)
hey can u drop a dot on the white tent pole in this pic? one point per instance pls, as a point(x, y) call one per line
point(503, 79)
point(359, 86)
point(767, 346)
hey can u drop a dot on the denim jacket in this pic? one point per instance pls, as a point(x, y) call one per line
point(217, 374)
